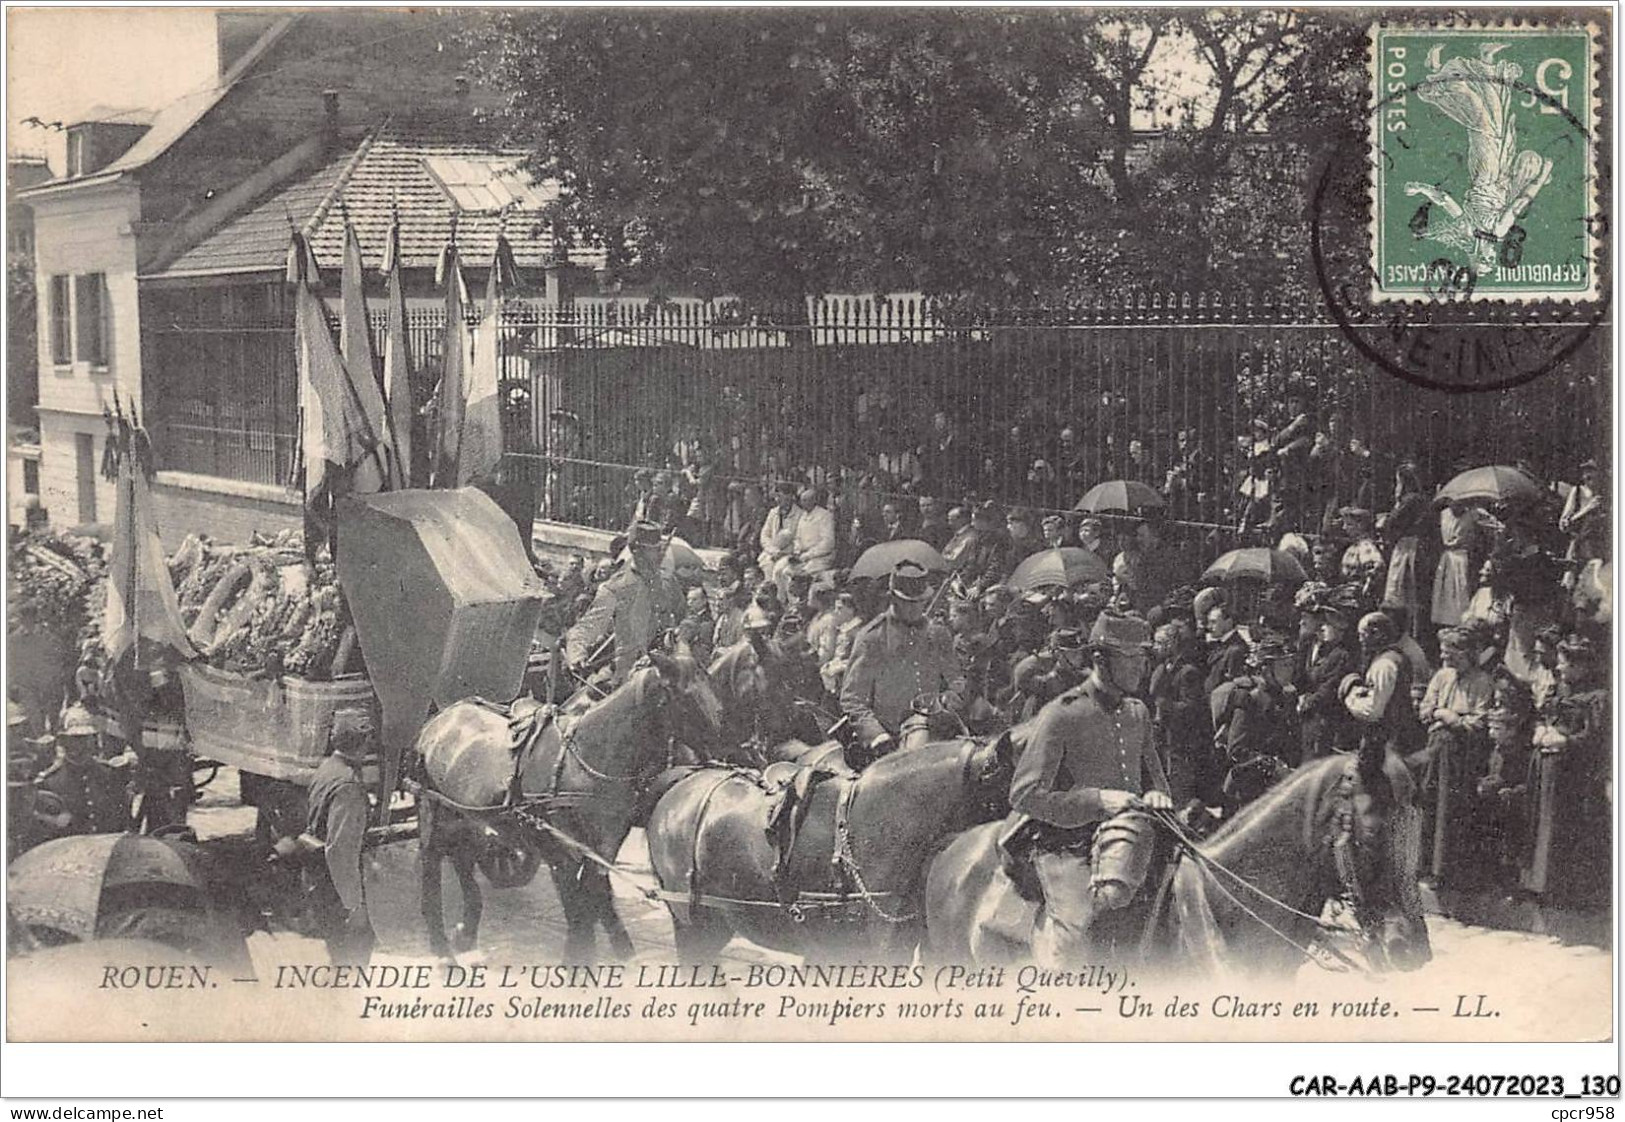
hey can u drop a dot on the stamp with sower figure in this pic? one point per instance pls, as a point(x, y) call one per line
point(1483, 163)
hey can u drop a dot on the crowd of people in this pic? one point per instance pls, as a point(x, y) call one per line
point(1460, 633)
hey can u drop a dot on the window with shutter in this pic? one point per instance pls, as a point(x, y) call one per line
point(92, 318)
point(61, 321)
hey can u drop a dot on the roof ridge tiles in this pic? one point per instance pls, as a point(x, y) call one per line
point(336, 192)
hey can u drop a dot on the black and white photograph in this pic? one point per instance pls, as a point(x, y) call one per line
point(814, 524)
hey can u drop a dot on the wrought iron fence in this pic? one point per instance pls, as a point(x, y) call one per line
point(881, 399)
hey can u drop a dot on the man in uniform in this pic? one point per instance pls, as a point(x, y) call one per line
point(80, 793)
point(1090, 757)
point(897, 657)
point(338, 817)
point(1042, 677)
point(634, 607)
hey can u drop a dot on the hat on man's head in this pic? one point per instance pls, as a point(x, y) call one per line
point(350, 732)
point(989, 511)
point(1020, 514)
point(758, 617)
point(1089, 523)
point(785, 487)
point(645, 533)
point(1052, 521)
point(1121, 633)
point(910, 581)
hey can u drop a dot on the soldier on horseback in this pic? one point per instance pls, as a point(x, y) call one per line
point(897, 658)
point(634, 607)
point(1090, 758)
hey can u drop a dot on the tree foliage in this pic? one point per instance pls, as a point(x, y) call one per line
point(999, 155)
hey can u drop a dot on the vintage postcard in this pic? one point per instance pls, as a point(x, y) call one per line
point(792, 524)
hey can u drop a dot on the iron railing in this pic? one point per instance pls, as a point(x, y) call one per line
point(1176, 390)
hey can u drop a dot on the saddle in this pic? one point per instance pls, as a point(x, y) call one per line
point(528, 719)
point(792, 786)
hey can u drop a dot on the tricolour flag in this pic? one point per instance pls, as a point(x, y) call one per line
point(342, 434)
point(141, 601)
point(480, 450)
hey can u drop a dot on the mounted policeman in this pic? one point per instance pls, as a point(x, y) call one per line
point(633, 608)
point(1089, 767)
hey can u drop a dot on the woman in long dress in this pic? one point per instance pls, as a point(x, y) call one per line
point(1402, 527)
point(1464, 531)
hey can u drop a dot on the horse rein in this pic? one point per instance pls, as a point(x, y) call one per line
point(1343, 844)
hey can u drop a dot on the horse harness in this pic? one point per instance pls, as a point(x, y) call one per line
point(1343, 840)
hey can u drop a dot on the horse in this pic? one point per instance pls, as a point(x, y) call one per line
point(1341, 826)
point(483, 807)
point(857, 856)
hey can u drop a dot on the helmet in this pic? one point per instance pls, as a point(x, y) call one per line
point(76, 721)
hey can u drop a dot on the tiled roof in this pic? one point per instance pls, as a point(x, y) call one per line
point(388, 172)
point(258, 239)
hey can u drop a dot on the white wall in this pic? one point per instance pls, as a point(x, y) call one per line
point(85, 230)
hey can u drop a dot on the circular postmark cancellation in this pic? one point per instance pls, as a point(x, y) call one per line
point(1461, 250)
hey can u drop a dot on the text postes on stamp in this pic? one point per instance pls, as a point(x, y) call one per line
point(1483, 163)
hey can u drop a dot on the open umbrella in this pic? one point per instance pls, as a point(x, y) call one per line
point(1122, 496)
point(1063, 567)
point(1496, 483)
point(880, 560)
point(678, 554)
point(1272, 566)
point(120, 886)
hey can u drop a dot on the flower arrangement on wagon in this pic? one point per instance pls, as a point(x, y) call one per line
point(51, 582)
point(263, 611)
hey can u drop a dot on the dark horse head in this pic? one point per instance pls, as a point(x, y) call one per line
point(680, 692)
point(1343, 827)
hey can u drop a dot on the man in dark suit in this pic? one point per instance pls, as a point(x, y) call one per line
point(1227, 649)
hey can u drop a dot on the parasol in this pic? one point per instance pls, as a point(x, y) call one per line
point(1496, 483)
point(679, 554)
point(61, 884)
point(880, 560)
point(1120, 496)
point(1272, 566)
point(1065, 567)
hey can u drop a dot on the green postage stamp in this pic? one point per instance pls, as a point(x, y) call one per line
point(1484, 151)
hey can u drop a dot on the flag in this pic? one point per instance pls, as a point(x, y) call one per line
point(480, 449)
point(450, 397)
point(398, 403)
point(141, 601)
point(341, 436)
point(355, 344)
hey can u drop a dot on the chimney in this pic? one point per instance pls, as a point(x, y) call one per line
point(330, 110)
